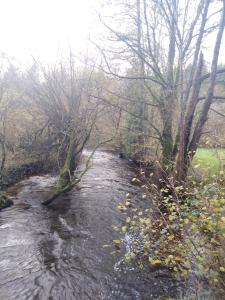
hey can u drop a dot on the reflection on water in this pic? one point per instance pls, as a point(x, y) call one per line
point(57, 253)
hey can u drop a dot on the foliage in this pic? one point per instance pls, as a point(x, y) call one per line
point(182, 228)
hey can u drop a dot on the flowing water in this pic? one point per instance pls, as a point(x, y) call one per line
point(57, 253)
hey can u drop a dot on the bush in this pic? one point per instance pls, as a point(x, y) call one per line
point(183, 230)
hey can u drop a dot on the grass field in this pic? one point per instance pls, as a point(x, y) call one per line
point(210, 161)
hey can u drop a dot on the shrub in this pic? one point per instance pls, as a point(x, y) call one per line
point(183, 230)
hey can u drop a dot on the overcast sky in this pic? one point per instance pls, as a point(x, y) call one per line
point(43, 28)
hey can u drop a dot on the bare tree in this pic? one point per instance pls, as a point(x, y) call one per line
point(169, 45)
point(65, 95)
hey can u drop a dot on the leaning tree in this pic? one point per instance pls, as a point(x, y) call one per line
point(64, 94)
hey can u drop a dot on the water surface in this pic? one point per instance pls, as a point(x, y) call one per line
point(57, 253)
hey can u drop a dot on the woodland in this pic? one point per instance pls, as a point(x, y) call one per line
point(153, 93)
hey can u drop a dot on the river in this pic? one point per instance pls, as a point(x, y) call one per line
point(56, 252)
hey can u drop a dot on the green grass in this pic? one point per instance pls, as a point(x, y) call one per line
point(209, 161)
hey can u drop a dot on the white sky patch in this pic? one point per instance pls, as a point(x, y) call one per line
point(43, 28)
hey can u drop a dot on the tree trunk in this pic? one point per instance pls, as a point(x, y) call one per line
point(3, 155)
point(182, 162)
point(168, 98)
point(187, 147)
point(64, 183)
point(167, 142)
point(208, 101)
point(69, 165)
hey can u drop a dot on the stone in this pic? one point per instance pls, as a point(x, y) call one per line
point(5, 201)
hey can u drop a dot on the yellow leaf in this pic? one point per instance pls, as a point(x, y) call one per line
point(177, 258)
point(170, 237)
point(117, 242)
point(171, 218)
point(155, 261)
point(124, 229)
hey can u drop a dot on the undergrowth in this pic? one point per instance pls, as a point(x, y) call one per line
point(183, 229)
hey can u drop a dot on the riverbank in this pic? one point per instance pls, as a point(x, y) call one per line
point(13, 175)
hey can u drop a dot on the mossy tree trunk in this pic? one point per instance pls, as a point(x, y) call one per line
point(66, 180)
point(69, 165)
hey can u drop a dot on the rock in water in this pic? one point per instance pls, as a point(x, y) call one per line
point(5, 201)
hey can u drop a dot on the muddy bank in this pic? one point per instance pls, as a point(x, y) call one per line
point(13, 175)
